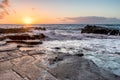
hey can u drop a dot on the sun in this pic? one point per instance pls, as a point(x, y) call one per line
point(28, 20)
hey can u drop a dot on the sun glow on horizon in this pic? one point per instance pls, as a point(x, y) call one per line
point(27, 20)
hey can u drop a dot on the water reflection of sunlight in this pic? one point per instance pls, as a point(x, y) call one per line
point(27, 25)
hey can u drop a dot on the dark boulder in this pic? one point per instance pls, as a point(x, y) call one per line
point(100, 30)
point(79, 55)
point(57, 48)
point(40, 28)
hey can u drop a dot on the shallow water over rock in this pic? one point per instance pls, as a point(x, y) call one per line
point(101, 51)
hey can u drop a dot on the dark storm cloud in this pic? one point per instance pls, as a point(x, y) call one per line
point(92, 20)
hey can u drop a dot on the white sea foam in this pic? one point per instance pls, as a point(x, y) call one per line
point(105, 53)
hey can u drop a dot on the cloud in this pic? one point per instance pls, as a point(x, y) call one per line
point(91, 20)
point(4, 8)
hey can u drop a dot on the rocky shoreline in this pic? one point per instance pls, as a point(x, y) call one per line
point(20, 35)
point(22, 57)
point(31, 65)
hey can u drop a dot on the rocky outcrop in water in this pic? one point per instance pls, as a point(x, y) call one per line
point(40, 28)
point(28, 42)
point(100, 30)
point(19, 30)
point(25, 37)
point(13, 30)
point(22, 35)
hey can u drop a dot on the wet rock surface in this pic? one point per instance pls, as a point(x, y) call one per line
point(101, 51)
point(14, 30)
point(39, 28)
point(21, 35)
point(100, 30)
point(28, 42)
point(78, 68)
point(39, 65)
point(25, 37)
point(19, 30)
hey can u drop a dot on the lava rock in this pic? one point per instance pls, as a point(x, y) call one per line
point(100, 30)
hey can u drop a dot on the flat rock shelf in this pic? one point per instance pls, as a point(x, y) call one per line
point(29, 65)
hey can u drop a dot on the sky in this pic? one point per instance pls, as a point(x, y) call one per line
point(60, 11)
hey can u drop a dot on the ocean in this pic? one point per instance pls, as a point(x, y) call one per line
point(65, 31)
point(103, 50)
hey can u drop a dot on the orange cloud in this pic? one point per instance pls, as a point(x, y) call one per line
point(3, 8)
